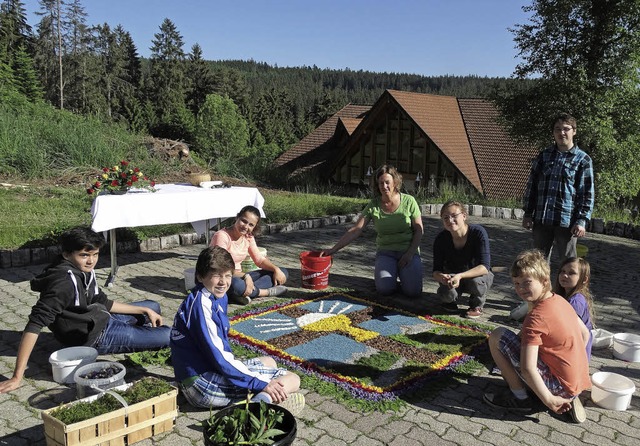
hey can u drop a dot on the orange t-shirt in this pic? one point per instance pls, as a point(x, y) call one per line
point(553, 326)
point(239, 249)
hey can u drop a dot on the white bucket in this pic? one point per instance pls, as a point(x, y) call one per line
point(611, 391)
point(90, 386)
point(65, 362)
point(189, 278)
point(626, 346)
point(248, 265)
point(601, 338)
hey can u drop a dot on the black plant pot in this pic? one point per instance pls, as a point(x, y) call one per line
point(288, 425)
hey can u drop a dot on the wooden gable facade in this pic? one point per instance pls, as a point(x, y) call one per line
point(427, 137)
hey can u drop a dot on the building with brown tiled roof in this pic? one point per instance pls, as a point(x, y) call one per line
point(427, 137)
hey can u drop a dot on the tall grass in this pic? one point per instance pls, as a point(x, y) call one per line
point(37, 141)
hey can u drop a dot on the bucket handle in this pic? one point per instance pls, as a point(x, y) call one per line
point(113, 394)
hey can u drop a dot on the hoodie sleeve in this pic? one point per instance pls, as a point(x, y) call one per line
point(55, 297)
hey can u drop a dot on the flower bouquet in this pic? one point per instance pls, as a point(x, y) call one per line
point(119, 179)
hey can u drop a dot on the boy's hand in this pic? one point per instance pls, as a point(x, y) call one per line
point(10, 384)
point(558, 404)
point(155, 318)
point(276, 391)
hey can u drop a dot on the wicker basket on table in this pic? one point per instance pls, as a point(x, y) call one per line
point(197, 178)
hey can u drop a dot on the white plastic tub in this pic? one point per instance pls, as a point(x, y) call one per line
point(626, 346)
point(612, 391)
point(65, 362)
point(601, 338)
point(189, 278)
point(90, 386)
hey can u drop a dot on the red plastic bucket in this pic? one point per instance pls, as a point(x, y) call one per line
point(314, 270)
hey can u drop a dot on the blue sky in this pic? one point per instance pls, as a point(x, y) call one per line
point(426, 37)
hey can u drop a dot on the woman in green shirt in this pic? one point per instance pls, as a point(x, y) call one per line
point(398, 222)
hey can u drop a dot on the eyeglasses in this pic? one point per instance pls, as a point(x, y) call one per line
point(562, 129)
point(451, 217)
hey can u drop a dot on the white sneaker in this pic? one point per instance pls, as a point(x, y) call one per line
point(294, 403)
point(277, 290)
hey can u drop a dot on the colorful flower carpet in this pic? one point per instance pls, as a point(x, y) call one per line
point(373, 351)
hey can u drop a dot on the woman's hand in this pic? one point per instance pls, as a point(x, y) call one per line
point(405, 259)
point(248, 281)
point(454, 281)
point(327, 252)
point(443, 279)
point(278, 277)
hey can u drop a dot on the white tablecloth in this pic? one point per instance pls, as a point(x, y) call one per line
point(172, 203)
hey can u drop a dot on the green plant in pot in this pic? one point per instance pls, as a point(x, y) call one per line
point(250, 423)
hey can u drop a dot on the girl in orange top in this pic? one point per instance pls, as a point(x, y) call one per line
point(239, 241)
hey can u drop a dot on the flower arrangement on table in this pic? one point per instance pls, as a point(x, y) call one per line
point(121, 178)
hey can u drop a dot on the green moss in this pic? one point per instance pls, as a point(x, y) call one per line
point(151, 357)
point(142, 390)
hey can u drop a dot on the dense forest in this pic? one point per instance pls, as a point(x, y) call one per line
point(95, 70)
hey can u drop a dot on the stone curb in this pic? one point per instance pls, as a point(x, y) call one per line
point(33, 256)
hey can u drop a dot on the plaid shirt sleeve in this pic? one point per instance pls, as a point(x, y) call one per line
point(584, 198)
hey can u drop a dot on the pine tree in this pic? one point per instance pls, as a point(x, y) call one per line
point(26, 78)
point(201, 80)
point(167, 84)
point(15, 32)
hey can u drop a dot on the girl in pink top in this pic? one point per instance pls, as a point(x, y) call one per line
point(238, 240)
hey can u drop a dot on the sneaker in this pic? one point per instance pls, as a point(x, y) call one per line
point(277, 290)
point(577, 412)
point(450, 307)
point(507, 400)
point(294, 403)
point(474, 313)
point(240, 300)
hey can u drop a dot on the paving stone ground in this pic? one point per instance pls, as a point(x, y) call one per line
point(455, 415)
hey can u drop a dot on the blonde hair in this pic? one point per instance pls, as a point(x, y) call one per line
point(532, 263)
point(582, 287)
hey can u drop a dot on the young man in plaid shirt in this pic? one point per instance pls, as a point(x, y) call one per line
point(559, 196)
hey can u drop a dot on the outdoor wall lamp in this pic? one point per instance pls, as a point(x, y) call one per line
point(370, 171)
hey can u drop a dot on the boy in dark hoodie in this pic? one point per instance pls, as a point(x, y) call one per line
point(78, 313)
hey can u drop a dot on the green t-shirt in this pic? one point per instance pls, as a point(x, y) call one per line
point(394, 229)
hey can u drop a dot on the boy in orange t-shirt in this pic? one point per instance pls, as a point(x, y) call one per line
point(549, 354)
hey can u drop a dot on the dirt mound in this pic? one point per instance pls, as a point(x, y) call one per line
point(166, 149)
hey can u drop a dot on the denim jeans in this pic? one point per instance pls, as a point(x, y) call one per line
point(262, 279)
point(387, 274)
point(126, 333)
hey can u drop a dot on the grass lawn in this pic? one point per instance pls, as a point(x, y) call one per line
point(36, 215)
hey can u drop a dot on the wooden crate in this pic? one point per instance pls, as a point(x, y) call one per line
point(119, 427)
